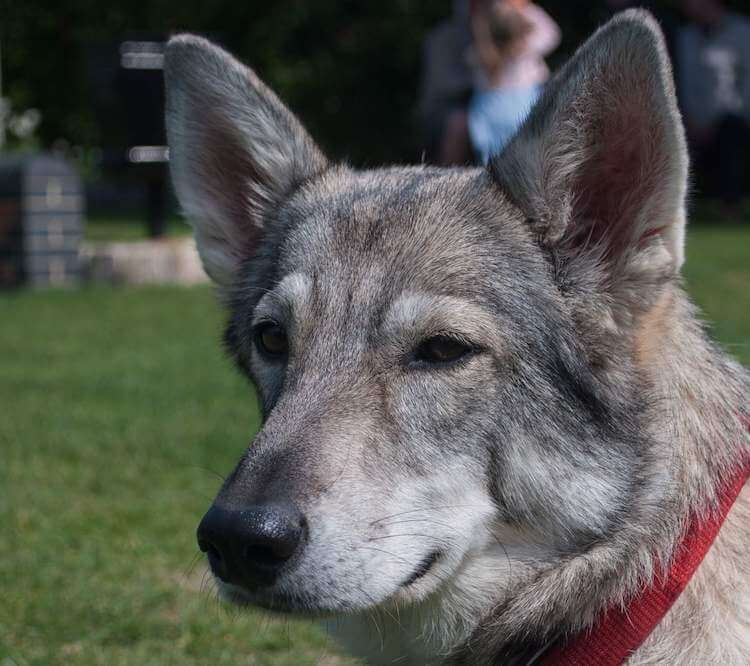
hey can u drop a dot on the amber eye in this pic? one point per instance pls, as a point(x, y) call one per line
point(442, 349)
point(271, 339)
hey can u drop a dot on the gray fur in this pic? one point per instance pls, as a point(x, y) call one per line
point(555, 468)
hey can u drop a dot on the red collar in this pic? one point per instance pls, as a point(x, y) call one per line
point(621, 631)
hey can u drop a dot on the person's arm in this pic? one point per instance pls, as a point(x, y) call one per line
point(545, 33)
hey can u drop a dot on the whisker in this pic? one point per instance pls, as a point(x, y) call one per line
point(414, 534)
point(423, 520)
point(441, 578)
point(386, 552)
point(219, 476)
point(206, 580)
point(428, 508)
point(371, 616)
point(381, 609)
point(341, 473)
point(191, 566)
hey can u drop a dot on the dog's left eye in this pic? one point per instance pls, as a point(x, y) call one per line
point(441, 349)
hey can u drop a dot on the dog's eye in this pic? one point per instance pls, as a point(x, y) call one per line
point(271, 340)
point(441, 349)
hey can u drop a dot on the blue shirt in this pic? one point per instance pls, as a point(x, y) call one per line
point(495, 115)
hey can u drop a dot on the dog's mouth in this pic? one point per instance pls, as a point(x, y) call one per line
point(422, 568)
point(281, 602)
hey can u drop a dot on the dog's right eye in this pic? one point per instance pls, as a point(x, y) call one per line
point(441, 350)
point(271, 340)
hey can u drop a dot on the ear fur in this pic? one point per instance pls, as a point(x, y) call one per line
point(601, 163)
point(235, 151)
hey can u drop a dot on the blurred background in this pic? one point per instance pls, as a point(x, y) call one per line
point(118, 412)
point(375, 82)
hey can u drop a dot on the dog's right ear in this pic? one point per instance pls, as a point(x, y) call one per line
point(235, 151)
point(600, 165)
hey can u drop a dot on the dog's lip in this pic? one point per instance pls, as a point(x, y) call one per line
point(280, 602)
point(422, 568)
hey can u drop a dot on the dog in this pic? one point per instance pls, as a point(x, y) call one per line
point(495, 430)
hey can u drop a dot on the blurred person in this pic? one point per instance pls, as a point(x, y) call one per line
point(713, 58)
point(511, 39)
point(446, 88)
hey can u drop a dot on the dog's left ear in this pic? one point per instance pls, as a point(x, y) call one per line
point(601, 163)
point(236, 152)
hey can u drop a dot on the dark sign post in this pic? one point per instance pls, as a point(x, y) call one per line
point(141, 84)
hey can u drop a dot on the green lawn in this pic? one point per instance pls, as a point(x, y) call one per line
point(119, 412)
point(126, 228)
point(118, 415)
point(718, 277)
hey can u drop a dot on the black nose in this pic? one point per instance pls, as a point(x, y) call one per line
point(249, 546)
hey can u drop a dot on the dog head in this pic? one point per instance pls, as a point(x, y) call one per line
point(444, 358)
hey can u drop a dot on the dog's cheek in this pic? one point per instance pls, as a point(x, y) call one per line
point(568, 502)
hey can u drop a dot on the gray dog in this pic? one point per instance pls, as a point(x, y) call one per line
point(494, 430)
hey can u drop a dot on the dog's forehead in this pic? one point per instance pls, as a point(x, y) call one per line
point(429, 229)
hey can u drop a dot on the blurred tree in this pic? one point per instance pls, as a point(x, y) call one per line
point(349, 68)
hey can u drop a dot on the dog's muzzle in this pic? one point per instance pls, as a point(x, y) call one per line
point(251, 546)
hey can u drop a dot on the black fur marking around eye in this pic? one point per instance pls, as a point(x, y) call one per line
point(441, 351)
point(232, 341)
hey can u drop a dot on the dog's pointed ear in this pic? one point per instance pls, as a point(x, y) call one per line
point(235, 151)
point(601, 162)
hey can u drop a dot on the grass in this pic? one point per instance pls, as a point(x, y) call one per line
point(119, 413)
point(118, 228)
point(717, 271)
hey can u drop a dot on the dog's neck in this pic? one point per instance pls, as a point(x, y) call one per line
point(709, 398)
point(700, 396)
point(703, 398)
point(708, 623)
point(622, 631)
